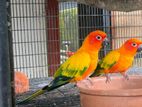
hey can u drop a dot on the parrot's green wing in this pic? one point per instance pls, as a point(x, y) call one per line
point(75, 66)
point(106, 63)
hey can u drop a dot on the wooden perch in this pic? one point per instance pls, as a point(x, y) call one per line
point(114, 5)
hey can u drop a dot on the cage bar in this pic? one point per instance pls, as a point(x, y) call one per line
point(5, 74)
point(53, 38)
point(11, 53)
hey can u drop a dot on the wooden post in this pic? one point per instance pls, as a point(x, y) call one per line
point(53, 38)
point(5, 67)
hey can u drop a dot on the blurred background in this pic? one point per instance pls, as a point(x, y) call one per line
point(46, 33)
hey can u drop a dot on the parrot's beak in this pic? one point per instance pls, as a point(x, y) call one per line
point(106, 42)
point(139, 48)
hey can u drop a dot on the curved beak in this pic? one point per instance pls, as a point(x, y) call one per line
point(106, 42)
point(139, 48)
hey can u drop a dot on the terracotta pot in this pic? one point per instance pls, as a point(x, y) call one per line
point(117, 93)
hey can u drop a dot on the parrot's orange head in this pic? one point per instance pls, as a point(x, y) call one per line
point(94, 39)
point(97, 37)
point(133, 45)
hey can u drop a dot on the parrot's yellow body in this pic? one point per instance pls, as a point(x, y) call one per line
point(78, 67)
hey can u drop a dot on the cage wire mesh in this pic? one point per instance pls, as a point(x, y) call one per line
point(126, 25)
point(46, 34)
point(29, 37)
point(68, 21)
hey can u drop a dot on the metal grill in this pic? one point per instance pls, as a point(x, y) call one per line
point(126, 25)
point(45, 32)
point(29, 37)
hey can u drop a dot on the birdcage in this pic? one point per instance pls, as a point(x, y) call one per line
point(42, 34)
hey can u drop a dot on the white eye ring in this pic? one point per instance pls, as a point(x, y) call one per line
point(98, 37)
point(134, 44)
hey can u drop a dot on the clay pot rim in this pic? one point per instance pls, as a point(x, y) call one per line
point(112, 92)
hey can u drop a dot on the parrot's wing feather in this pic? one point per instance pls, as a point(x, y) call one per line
point(106, 63)
point(75, 66)
point(109, 60)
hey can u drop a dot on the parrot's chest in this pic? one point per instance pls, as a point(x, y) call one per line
point(94, 61)
point(123, 64)
point(94, 57)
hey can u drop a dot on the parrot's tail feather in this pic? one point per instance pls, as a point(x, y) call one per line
point(96, 74)
point(26, 100)
point(57, 82)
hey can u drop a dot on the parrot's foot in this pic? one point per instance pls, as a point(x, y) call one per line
point(108, 79)
point(88, 82)
point(125, 76)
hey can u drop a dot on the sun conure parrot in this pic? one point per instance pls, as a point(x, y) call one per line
point(119, 60)
point(78, 67)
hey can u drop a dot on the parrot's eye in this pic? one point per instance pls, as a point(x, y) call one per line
point(134, 44)
point(98, 37)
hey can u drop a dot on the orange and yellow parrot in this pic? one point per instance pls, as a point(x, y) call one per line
point(78, 67)
point(119, 60)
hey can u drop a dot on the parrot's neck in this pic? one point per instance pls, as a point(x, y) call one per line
point(91, 46)
point(127, 52)
point(92, 52)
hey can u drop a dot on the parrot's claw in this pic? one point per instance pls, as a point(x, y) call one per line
point(108, 79)
point(88, 82)
point(125, 76)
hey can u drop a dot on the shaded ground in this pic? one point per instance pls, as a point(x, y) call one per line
point(66, 96)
